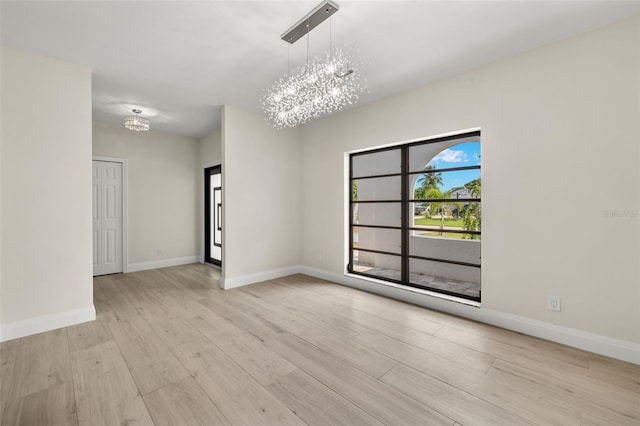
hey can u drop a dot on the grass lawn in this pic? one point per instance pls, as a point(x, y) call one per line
point(436, 222)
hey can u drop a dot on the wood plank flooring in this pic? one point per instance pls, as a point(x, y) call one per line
point(170, 348)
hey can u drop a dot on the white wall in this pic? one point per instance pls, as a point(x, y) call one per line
point(560, 142)
point(46, 194)
point(211, 148)
point(163, 193)
point(261, 180)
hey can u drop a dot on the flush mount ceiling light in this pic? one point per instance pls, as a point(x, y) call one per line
point(135, 122)
point(321, 86)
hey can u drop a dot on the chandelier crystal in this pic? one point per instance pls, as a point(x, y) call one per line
point(325, 85)
point(136, 123)
point(321, 86)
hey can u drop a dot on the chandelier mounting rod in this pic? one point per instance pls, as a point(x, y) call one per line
point(311, 20)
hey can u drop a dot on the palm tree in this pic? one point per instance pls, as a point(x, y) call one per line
point(431, 180)
point(474, 187)
point(472, 219)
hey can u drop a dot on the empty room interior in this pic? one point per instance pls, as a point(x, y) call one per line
point(335, 213)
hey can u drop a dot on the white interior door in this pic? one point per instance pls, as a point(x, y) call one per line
point(107, 217)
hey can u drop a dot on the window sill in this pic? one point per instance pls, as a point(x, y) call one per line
point(417, 290)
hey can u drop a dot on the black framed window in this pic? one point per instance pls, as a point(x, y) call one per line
point(416, 213)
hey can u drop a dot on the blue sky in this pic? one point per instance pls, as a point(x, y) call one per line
point(464, 154)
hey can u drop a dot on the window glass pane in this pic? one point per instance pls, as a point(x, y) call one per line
point(444, 155)
point(386, 188)
point(458, 250)
point(379, 265)
point(462, 280)
point(452, 184)
point(384, 214)
point(216, 224)
point(376, 163)
point(436, 218)
point(437, 233)
point(377, 239)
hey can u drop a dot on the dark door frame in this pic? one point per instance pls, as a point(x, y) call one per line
point(208, 172)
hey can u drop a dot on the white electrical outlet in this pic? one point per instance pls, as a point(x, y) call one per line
point(554, 303)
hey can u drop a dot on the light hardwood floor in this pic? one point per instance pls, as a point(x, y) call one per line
point(170, 348)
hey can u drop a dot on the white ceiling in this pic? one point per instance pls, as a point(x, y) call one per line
point(179, 61)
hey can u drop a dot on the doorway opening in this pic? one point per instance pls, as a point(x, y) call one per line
point(213, 215)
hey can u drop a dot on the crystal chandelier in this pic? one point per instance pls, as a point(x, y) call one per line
point(135, 122)
point(321, 86)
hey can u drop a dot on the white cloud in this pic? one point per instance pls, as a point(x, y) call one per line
point(450, 156)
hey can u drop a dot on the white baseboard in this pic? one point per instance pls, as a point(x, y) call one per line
point(228, 283)
point(592, 342)
point(603, 345)
point(165, 263)
point(14, 330)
